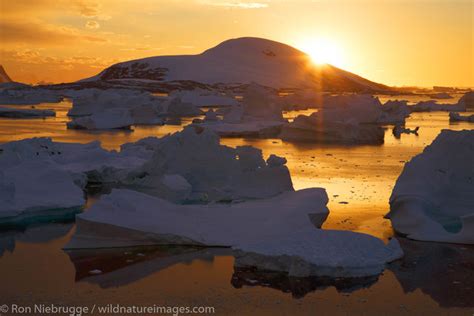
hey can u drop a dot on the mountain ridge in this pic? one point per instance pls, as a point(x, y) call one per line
point(241, 61)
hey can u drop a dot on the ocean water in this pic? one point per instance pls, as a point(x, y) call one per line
point(431, 279)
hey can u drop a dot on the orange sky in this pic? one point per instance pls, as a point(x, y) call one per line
point(396, 42)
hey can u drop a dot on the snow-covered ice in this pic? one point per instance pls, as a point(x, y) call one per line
point(319, 252)
point(105, 119)
point(128, 218)
point(42, 179)
point(433, 198)
point(214, 171)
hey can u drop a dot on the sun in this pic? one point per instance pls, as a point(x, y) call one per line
point(323, 51)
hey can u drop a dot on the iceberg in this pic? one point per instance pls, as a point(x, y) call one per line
point(394, 112)
point(20, 94)
point(456, 117)
point(347, 119)
point(24, 113)
point(42, 180)
point(37, 191)
point(318, 252)
point(105, 119)
point(259, 115)
point(130, 218)
point(215, 172)
point(433, 198)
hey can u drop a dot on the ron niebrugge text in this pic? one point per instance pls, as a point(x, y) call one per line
point(50, 309)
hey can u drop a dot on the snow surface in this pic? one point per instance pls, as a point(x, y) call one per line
point(433, 198)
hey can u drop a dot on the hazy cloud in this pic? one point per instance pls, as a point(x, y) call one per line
point(92, 25)
point(38, 32)
point(238, 4)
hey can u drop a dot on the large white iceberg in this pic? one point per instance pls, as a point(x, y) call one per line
point(277, 234)
point(39, 190)
point(350, 119)
point(433, 198)
point(215, 172)
point(40, 179)
point(131, 218)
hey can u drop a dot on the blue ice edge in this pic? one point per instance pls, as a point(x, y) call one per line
point(28, 218)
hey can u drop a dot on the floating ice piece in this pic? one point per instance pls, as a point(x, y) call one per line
point(90, 101)
point(433, 105)
point(130, 218)
point(17, 94)
point(107, 119)
point(456, 117)
point(174, 106)
point(441, 95)
point(37, 191)
point(467, 100)
point(260, 103)
point(317, 252)
point(24, 113)
point(215, 172)
point(348, 119)
point(211, 116)
point(394, 112)
point(433, 198)
point(312, 129)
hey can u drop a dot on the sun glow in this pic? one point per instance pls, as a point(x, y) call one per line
point(323, 51)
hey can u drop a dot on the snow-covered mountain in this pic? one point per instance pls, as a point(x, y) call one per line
point(241, 61)
point(4, 76)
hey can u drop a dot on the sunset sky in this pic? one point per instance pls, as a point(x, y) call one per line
point(395, 42)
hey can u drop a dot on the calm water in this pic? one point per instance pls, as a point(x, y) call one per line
point(431, 279)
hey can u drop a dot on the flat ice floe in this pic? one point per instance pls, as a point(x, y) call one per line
point(277, 234)
point(319, 252)
point(24, 113)
point(130, 218)
point(433, 198)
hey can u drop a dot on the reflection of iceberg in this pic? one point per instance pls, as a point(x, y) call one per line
point(297, 286)
point(442, 271)
point(122, 266)
point(433, 197)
